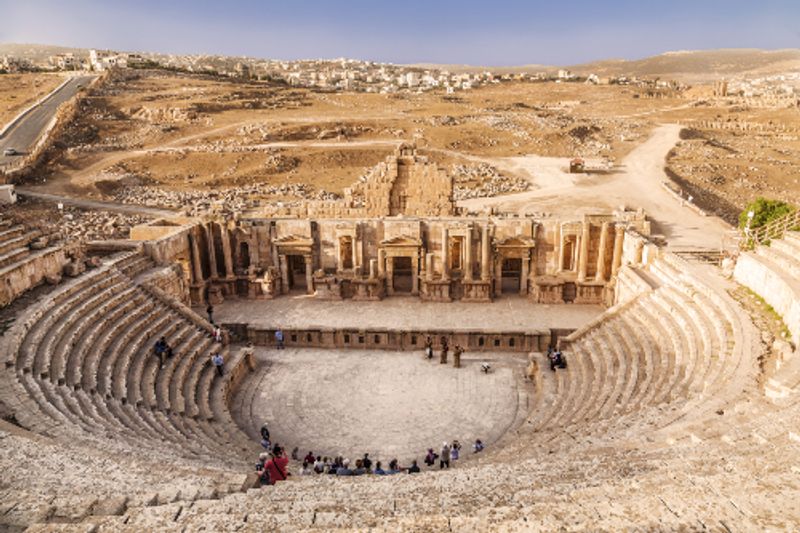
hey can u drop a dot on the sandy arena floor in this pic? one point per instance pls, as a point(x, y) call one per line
point(387, 404)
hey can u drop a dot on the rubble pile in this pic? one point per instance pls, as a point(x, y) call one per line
point(233, 198)
point(483, 181)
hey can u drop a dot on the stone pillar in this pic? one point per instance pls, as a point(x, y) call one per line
point(373, 268)
point(561, 254)
point(616, 260)
point(639, 252)
point(212, 253)
point(226, 251)
point(381, 262)
point(197, 267)
point(284, 266)
point(309, 273)
point(558, 246)
point(468, 256)
point(485, 255)
point(415, 274)
point(390, 275)
point(498, 275)
point(429, 266)
point(354, 249)
point(445, 269)
point(600, 275)
point(523, 280)
point(583, 258)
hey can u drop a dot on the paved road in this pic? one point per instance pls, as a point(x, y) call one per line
point(23, 135)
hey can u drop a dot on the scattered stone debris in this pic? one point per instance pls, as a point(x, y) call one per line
point(483, 181)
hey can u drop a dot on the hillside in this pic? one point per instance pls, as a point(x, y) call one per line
point(699, 65)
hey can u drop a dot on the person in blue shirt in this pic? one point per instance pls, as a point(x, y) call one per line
point(279, 339)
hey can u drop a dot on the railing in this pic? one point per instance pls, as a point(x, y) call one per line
point(773, 230)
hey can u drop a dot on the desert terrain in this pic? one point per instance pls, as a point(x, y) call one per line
point(168, 139)
point(18, 91)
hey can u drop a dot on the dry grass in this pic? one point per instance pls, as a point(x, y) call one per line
point(18, 91)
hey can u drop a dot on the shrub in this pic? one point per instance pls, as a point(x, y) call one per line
point(765, 211)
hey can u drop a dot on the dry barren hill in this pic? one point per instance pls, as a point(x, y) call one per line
point(699, 65)
point(38, 52)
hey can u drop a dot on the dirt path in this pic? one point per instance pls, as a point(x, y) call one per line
point(129, 209)
point(637, 184)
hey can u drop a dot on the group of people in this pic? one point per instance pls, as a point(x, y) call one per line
point(443, 352)
point(273, 464)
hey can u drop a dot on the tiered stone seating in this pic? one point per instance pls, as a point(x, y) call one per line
point(80, 363)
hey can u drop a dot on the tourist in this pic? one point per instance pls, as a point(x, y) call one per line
point(455, 449)
point(263, 474)
point(264, 432)
point(210, 311)
point(457, 351)
point(429, 348)
point(279, 339)
point(218, 363)
point(557, 360)
point(414, 468)
point(478, 446)
point(309, 458)
point(276, 466)
point(295, 454)
point(444, 456)
point(319, 465)
point(217, 334)
point(378, 470)
point(485, 367)
point(159, 348)
point(430, 457)
point(443, 353)
point(359, 469)
point(393, 468)
point(367, 462)
point(344, 470)
point(306, 469)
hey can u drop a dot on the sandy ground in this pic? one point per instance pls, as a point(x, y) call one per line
point(18, 91)
point(637, 183)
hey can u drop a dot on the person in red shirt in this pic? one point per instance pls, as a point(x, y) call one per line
point(277, 466)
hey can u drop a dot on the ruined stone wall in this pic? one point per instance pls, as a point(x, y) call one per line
point(43, 265)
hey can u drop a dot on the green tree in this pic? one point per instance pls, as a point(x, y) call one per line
point(764, 211)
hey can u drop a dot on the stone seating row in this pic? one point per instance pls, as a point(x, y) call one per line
point(85, 357)
point(671, 346)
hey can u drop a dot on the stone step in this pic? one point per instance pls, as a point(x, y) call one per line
point(787, 261)
point(11, 257)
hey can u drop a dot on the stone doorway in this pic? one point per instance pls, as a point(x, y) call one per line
point(511, 275)
point(297, 272)
point(402, 275)
point(569, 292)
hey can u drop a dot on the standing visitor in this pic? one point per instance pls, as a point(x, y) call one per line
point(218, 363)
point(457, 351)
point(444, 457)
point(429, 348)
point(279, 339)
point(443, 353)
point(210, 311)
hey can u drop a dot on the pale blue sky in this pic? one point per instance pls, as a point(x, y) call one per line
point(500, 32)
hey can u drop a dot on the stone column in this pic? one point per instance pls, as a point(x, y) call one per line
point(355, 254)
point(381, 262)
point(498, 275)
point(600, 275)
point(583, 258)
point(309, 274)
point(390, 275)
point(415, 274)
point(445, 269)
point(212, 254)
point(523, 279)
point(284, 266)
point(639, 252)
point(619, 237)
point(561, 252)
point(558, 246)
point(485, 255)
point(429, 266)
point(373, 268)
point(226, 250)
point(197, 267)
point(468, 256)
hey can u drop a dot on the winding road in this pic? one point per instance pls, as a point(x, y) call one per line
point(25, 132)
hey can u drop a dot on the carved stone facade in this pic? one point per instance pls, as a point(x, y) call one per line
point(471, 259)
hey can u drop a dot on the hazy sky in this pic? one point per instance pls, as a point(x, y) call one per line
point(498, 32)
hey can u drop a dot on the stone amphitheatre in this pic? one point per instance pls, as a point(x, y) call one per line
point(677, 410)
